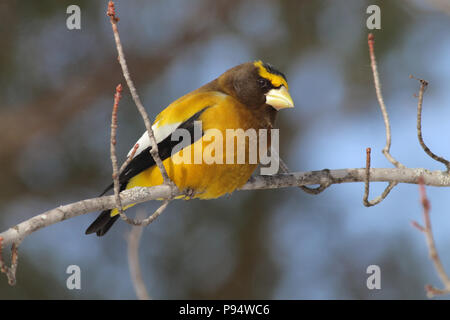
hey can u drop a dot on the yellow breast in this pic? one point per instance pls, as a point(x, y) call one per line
point(208, 180)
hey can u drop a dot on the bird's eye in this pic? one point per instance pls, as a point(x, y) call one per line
point(264, 83)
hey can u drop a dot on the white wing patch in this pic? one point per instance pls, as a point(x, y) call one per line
point(160, 134)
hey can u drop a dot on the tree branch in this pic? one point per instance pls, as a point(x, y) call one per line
point(154, 146)
point(373, 63)
point(386, 150)
point(133, 239)
point(423, 86)
point(377, 200)
point(165, 192)
point(10, 272)
point(284, 169)
point(434, 256)
point(113, 141)
point(111, 12)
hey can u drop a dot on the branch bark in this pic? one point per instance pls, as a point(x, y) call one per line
point(295, 179)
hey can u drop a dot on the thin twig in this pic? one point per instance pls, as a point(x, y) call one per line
point(318, 189)
point(154, 149)
point(127, 162)
point(387, 125)
point(155, 215)
point(133, 240)
point(115, 174)
point(10, 272)
point(423, 86)
point(386, 191)
point(434, 256)
point(116, 171)
point(145, 222)
point(376, 79)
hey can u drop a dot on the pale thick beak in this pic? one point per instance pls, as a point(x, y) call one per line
point(279, 98)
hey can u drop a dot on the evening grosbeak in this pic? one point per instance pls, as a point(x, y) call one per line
point(247, 96)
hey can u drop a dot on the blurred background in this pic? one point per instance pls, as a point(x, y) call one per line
point(56, 94)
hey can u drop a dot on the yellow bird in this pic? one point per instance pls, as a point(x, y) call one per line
point(247, 96)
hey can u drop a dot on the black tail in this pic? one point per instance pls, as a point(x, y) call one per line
point(104, 221)
point(102, 224)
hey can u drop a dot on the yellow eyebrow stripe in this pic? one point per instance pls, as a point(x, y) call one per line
point(275, 79)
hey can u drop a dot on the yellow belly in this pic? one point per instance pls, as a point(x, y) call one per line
point(207, 181)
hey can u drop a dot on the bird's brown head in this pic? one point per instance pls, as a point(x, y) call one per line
point(257, 83)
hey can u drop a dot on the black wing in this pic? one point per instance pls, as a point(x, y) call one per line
point(144, 160)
